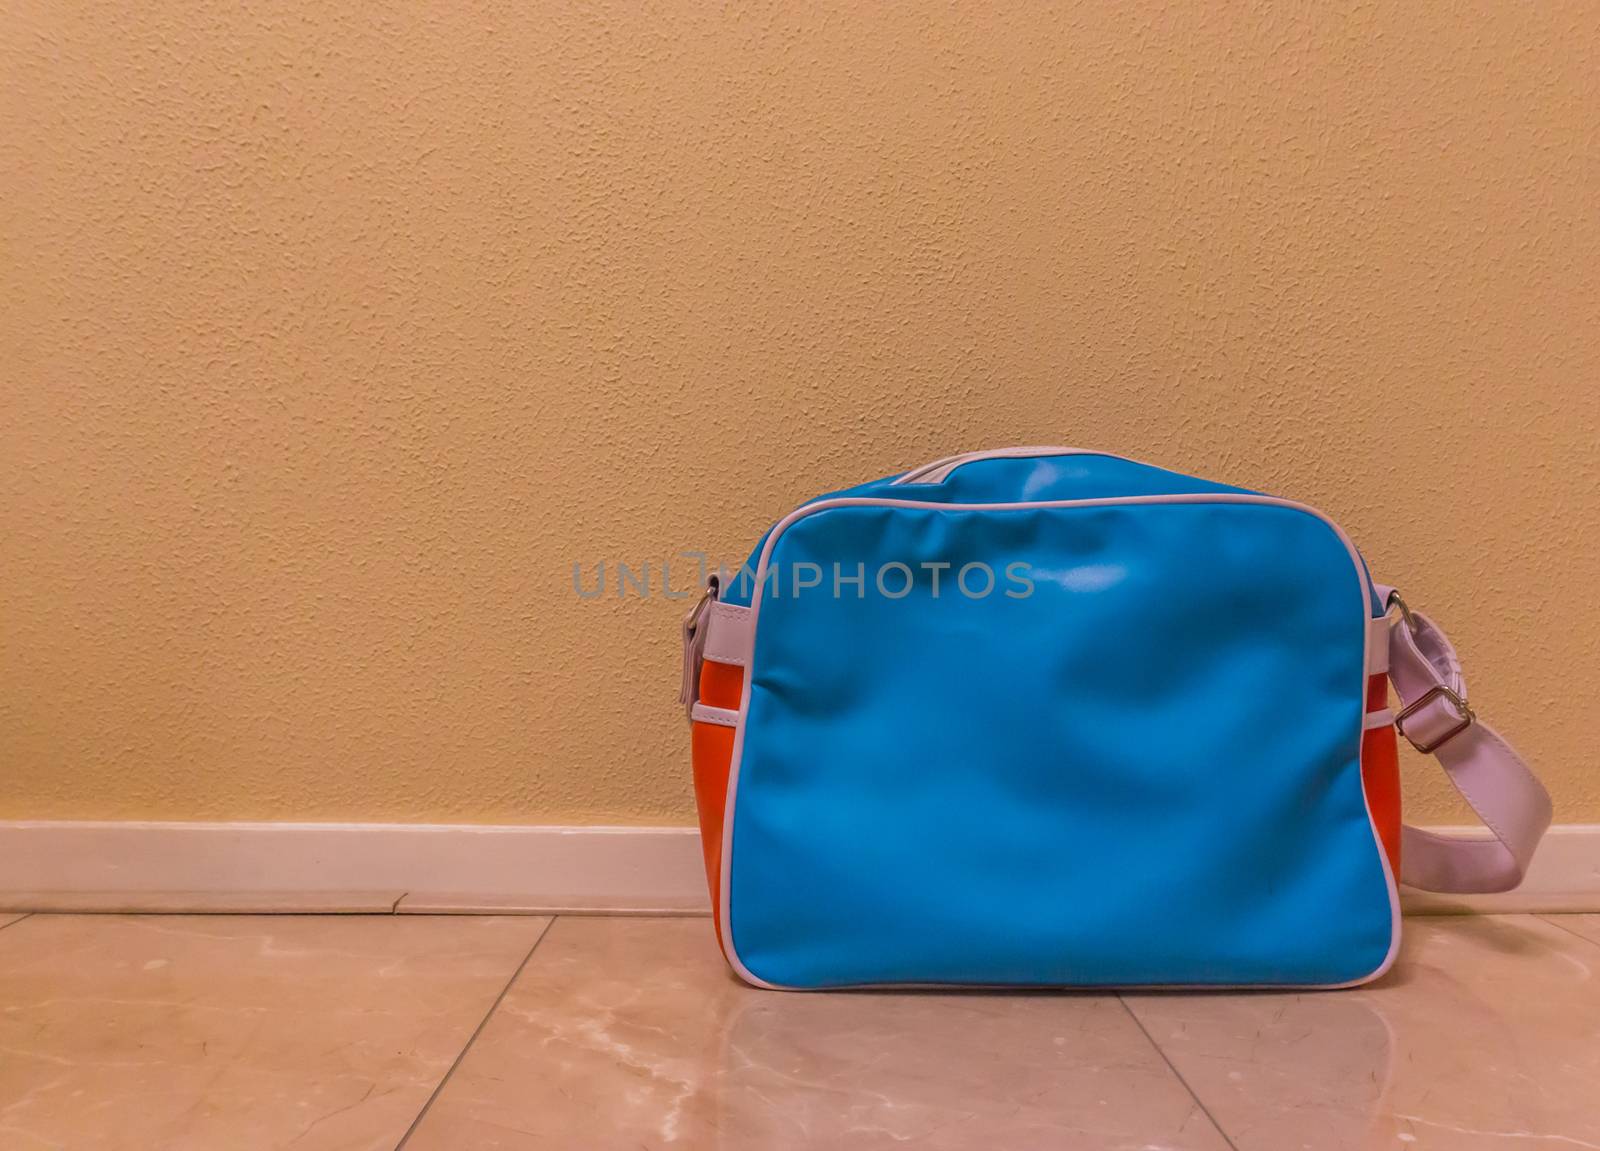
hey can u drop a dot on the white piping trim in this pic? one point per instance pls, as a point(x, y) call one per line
point(724, 899)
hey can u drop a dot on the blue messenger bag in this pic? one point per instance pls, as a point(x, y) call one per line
point(1041, 717)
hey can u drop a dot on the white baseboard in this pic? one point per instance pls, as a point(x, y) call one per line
point(378, 867)
point(85, 866)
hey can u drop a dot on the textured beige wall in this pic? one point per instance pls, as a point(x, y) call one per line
point(333, 335)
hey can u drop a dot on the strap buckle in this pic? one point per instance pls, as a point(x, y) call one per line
point(1437, 691)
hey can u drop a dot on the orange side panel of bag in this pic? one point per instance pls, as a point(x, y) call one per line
point(711, 749)
point(1380, 773)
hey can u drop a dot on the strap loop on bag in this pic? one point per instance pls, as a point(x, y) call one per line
point(715, 631)
point(1435, 717)
point(694, 642)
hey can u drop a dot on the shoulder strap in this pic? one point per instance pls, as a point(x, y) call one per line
point(1490, 776)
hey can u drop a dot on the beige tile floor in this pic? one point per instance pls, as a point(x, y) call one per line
point(234, 1032)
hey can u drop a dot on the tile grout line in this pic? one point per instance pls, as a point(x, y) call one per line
point(1555, 921)
point(444, 1080)
point(1172, 1067)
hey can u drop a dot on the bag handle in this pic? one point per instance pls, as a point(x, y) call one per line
point(1435, 717)
point(937, 471)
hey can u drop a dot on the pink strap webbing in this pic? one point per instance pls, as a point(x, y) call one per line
point(1490, 776)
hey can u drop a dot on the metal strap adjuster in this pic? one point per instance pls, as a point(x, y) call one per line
point(1437, 691)
point(1394, 601)
point(693, 624)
